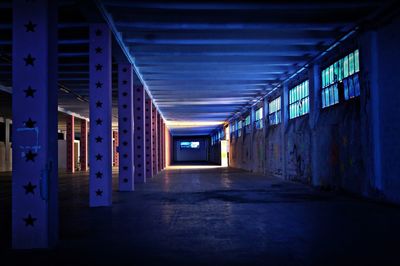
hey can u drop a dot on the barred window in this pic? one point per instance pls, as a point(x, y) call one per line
point(299, 101)
point(344, 70)
point(240, 126)
point(275, 111)
point(259, 118)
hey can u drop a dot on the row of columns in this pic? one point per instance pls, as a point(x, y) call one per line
point(139, 142)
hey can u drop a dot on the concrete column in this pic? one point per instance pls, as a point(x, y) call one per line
point(84, 145)
point(315, 107)
point(115, 149)
point(34, 102)
point(100, 189)
point(148, 136)
point(8, 151)
point(159, 149)
point(125, 128)
point(154, 139)
point(285, 123)
point(70, 121)
point(140, 145)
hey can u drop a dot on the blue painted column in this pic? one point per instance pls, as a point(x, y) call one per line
point(140, 144)
point(34, 107)
point(154, 139)
point(159, 147)
point(149, 147)
point(125, 128)
point(100, 140)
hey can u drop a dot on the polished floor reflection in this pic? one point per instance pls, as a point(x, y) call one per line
point(214, 216)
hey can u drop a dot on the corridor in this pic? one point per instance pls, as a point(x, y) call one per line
point(228, 216)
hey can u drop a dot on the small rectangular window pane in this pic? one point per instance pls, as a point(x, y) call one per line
point(356, 61)
point(346, 67)
point(351, 64)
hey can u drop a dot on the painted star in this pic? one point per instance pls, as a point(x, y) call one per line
point(99, 104)
point(99, 85)
point(125, 168)
point(29, 60)
point(29, 92)
point(99, 157)
point(99, 50)
point(99, 139)
point(124, 82)
point(125, 180)
point(29, 188)
point(124, 94)
point(124, 69)
point(98, 32)
point(30, 156)
point(125, 155)
point(99, 175)
point(125, 119)
point(124, 131)
point(30, 123)
point(99, 121)
point(30, 27)
point(125, 143)
point(29, 221)
point(99, 67)
point(99, 192)
point(124, 106)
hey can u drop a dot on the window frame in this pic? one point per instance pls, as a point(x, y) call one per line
point(301, 93)
point(345, 72)
point(275, 110)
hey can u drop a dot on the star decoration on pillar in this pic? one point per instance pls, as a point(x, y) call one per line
point(125, 168)
point(99, 104)
point(29, 188)
point(125, 119)
point(30, 27)
point(125, 155)
point(124, 94)
point(124, 131)
point(98, 32)
point(124, 106)
point(99, 192)
point(99, 67)
point(99, 175)
point(99, 85)
point(99, 139)
point(29, 60)
point(30, 123)
point(29, 92)
point(124, 82)
point(125, 180)
point(99, 121)
point(30, 156)
point(99, 50)
point(29, 221)
point(125, 143)
point(99, 157)
point(124, 70)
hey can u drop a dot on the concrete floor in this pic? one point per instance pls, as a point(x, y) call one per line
point(213, 216)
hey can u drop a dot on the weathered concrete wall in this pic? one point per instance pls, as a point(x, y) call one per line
point(388, 104)
point(352, 146)
point(258, 151)
point(297, 140)
point(274, 144)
